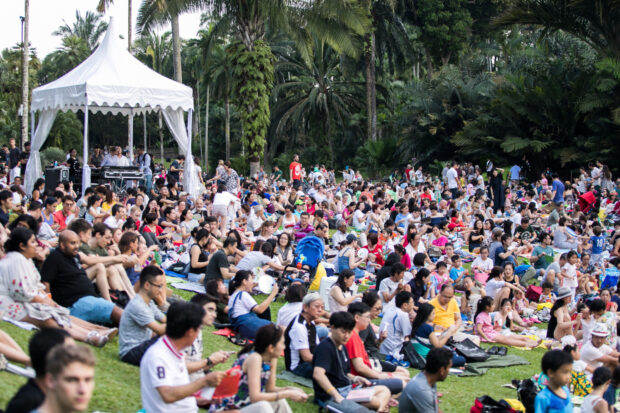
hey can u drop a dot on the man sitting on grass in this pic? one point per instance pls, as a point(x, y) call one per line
point(300, 337)
point(142, 322)
point(164, 379)
point(332, 378)
point(420, 394)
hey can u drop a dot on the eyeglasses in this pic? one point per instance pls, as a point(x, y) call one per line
point(158, 285)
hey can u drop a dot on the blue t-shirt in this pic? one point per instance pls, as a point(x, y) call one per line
point(558, 187)
point(549, 402)
point(597, 244)
point(456, 273)
point(515, 171)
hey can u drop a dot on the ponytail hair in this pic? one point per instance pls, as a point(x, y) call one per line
point(19, 236)
point(268, 335)
point(237, 280)
point(483, 303)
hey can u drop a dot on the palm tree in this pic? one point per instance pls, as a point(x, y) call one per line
point(105, 4)
point(157, 12)
point(339, 23)
point(88, 28)
point(317, 97)
point(594, 22)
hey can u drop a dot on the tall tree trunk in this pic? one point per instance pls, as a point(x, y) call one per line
point(207, 131)
point(429, 62)
point(227, 127)
point(161, 138)
point(176, 49)
point(198, 128)
point(371, 88)
point(129, 26)
point(25, 58)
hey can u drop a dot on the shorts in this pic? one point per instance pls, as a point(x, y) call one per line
point(93, 309)
point(596, 259)
point(220, 210)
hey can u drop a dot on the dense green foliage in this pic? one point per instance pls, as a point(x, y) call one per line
point(425, 79)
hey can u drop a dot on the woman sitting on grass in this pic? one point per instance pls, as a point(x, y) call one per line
point(257, 387)
point(493, 334)
point(426, 338)
point(560, 324)
point(23, 297)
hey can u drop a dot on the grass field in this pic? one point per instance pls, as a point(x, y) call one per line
point(118, 384)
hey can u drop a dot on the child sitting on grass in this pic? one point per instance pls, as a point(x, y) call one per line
point(440, 277)
point(555, 397)
point(594, 402)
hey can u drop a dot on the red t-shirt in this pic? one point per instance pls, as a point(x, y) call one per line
point(60, 219)
point(158, 230)
point(355, 348)
point(295, 170)
point(377, 251)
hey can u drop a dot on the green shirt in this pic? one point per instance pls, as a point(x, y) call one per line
point(99, 251)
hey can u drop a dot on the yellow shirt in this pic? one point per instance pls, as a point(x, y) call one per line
point(107, 207)
point(445, 317)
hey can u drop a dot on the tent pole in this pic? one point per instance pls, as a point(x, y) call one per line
point(85, 173)
point(131, 137)
point(31, 126)
point(146, 148)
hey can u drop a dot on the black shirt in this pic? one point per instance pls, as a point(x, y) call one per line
point(336, 365)
point(218, 261)
point(67, 279)
point(14, 155)
point(369, 338)
point(4, 218)
point(174, 174)
point(27, 398)
point(202, 257)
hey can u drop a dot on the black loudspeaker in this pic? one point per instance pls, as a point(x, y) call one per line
point(54, 175)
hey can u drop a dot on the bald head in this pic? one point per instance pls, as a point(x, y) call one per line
point(69, 242)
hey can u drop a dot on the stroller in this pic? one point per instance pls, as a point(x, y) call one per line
point(309, 252)
point(586, 202)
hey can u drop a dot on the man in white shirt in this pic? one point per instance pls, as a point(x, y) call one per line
point(595, 352)
point(300, 337)
point(452, 177)
point(341, 234)
point(164, 380)
point(117, 219)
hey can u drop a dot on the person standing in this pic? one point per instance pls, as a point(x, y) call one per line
point(557, 190)
point(144, 161)
point(515, 175)
point(230, 178)
point(176, 167)
point(295, 172)
point(452, 176)
point(14, 155)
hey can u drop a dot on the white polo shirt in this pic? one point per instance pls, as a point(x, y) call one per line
point(164, 365)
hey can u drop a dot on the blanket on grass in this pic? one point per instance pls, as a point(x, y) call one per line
point(293, 378)
point(478, 369)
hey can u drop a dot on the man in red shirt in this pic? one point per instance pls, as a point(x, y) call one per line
point(65, 215)
point(393, 377)
point(295, 171)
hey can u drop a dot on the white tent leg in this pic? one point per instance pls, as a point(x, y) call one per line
point(85, 167)
point(131, 137)
point(146, 148)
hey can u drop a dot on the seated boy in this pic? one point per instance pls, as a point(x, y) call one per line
point(331, 378)
point(397, 323)
point(556, 397)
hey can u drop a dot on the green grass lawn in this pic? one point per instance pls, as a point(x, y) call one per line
point(118, 384)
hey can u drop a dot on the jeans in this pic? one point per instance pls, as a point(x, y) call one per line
point(303, 369)
point(134, 356)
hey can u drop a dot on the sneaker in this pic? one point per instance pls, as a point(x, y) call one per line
point(403, 363)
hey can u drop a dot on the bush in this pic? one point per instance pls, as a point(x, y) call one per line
point(51, 155)
point(241, 164)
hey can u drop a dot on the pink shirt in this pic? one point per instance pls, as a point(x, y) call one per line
point(484, 319)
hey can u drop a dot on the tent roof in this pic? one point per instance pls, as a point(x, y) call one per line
point(112, 80)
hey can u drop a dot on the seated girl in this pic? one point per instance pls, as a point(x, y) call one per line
point(245, 314)
point(507, 318)
point(482, 265)
point(424, 337)
point(257, 386)
point(493, 334)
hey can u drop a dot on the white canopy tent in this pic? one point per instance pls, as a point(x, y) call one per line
point(111, 80)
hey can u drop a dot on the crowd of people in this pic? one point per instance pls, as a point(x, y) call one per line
point(433, 260)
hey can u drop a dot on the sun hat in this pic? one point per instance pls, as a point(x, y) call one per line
point(563, 292)
point(568, 341)
point(600, 330)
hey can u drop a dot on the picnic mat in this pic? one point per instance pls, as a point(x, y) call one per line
point(478, 369)
point(175, 274)
point(226, 332)
point(293, 378)
point(189, 286)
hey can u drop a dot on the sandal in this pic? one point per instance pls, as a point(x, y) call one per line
point(96, 339)
point(111, 333)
